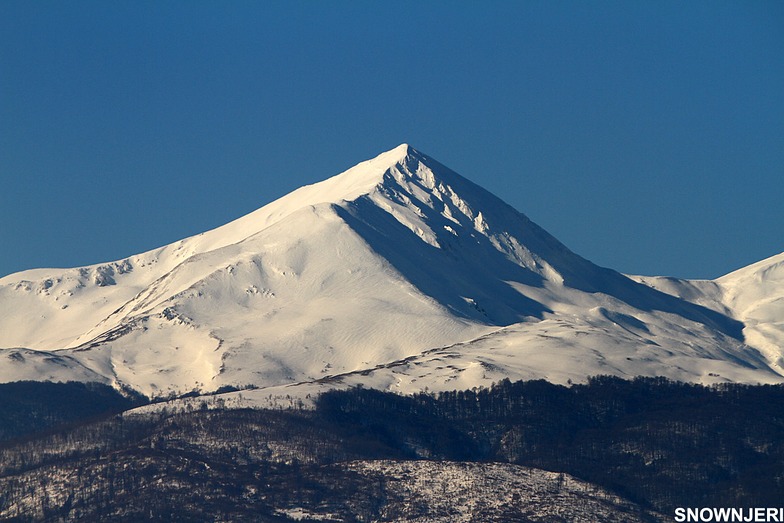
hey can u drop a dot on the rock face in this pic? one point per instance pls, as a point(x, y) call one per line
point(399, 274)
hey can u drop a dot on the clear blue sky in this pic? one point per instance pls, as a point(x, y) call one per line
point(647, 136)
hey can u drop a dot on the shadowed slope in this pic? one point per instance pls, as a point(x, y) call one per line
point(472, 227)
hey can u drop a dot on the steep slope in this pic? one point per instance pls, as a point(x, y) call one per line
point(755, 295)
point(56, 308)
point(386, 262)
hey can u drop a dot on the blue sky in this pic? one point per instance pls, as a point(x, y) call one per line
point(647, 136)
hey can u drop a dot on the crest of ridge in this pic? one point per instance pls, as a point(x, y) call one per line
point(361, 179)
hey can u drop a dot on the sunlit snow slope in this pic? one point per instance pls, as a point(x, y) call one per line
point(370, 275)
point(754, 295)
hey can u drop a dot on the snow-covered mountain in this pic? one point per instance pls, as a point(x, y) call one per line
point(753, 295)
point(398, 273)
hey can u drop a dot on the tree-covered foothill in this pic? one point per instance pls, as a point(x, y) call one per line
point(27, 407)
point(654, 442)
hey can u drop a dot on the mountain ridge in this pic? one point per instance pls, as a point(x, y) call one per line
point(385, 262)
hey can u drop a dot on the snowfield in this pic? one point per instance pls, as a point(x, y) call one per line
point(396, 274)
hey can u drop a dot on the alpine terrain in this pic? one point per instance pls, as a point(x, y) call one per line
point(415, 350)
point(397, 274)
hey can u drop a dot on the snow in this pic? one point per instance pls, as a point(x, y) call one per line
point(398, 274)
point(454, 492)
point(754, 295)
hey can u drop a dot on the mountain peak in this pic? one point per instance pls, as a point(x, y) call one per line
point(401, 150)
point(393, 259)
point(375, 167)
point(402, 162)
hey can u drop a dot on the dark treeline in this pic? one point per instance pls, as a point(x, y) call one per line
point(27, 407)
point(658, 443)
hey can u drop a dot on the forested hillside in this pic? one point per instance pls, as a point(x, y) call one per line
point(612, 450)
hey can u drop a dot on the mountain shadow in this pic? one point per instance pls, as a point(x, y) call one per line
point(467, 275)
